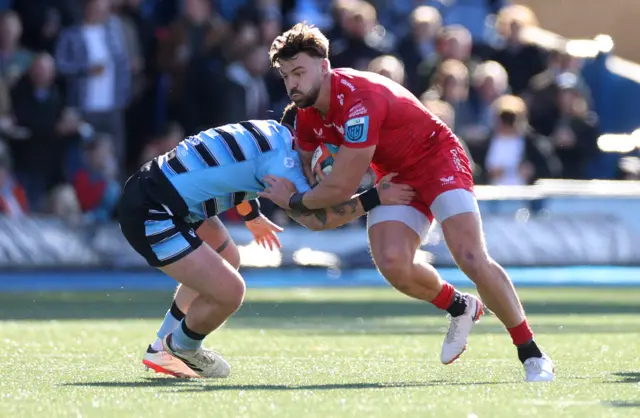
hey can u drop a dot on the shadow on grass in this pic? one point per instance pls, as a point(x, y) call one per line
point(622, 404)
point(198, 385)
point(627, 377)
point(143, 305)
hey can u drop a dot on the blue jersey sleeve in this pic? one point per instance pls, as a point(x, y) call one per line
point(288, 165)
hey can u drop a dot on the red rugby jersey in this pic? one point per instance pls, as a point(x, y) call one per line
point(369, 109)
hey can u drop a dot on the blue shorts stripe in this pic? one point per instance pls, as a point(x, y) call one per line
point(157, 227)
point(171, 247)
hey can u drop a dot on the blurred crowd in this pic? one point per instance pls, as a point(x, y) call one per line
point(90, 89)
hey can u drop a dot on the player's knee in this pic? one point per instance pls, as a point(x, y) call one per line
point(232, 295)
point(394, 263)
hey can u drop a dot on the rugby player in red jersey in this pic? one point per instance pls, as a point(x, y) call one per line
point(377, 122)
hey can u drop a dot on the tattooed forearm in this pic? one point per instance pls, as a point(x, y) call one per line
point(349, 207)
point(335, 216)
point(318, 216)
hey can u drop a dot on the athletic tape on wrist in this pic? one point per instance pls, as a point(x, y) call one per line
point(255, 211)
point(370, 199)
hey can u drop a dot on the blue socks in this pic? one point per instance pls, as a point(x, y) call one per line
point(185, 339)
point(171, 321)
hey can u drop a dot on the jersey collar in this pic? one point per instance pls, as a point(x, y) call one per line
point(333, 101)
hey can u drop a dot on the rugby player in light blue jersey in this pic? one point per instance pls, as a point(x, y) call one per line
point(169, 207)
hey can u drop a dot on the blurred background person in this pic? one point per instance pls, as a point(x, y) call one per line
point(419, 45)
point(191, 60)
point(575, 129)
point(50, 130)
point(390, 67)
point(96, 181)
point(516, 155)
point(93, 58)
point(246, 91)
point(14, 59)
point(517, 54)
point(13, 198)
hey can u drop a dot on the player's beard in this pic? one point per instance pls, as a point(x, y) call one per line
point(307, 100)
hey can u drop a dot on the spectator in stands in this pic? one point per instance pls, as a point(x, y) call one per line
point(516, 155)
point(269, 22)
point(419, 44)
point(14, 60)
point(13, 199)
point(245, 89)
point(132, 11)
point(44, 19)
point(390, 67)
point(133, 45)
point(63, 204)
point(96, 183)
point(93, 58)
point(142, 111)
point(542, 93)
point(451, 85)
point(8, 129)
point(190, 56)
point(489, 82)
point(575, 133)
point(245, 33)
point(50, 128)
point(522, 60)
point(452, 43)
point(472, 14)
point(445, 112)
point(364, 39)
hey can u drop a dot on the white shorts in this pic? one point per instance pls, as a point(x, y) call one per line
point(446, 205)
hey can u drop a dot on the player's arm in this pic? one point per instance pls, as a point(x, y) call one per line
point(385, 193)
point(361, 131)
point(306, 157)
point(304, 144)
point(330, 218)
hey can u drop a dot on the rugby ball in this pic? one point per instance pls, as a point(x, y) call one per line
point(323, 158)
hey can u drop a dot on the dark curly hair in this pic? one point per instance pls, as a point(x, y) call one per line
point(300, 38)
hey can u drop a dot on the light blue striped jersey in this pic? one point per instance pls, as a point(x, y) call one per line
point(219, 168)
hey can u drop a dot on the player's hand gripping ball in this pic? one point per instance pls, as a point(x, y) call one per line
point(323, 159)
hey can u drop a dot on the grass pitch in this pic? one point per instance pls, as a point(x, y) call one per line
point(318, 353)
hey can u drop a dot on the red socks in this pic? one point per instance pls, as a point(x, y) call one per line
point(445, 297)
point(521, 334)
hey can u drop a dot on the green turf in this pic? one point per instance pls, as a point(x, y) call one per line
point(318, 353)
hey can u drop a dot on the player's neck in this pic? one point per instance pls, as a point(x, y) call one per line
point(323, 103)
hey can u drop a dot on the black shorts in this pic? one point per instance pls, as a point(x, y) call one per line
point(151, 214)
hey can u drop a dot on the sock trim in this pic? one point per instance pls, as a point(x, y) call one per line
point(176, 312)
point(191, 334)
point(521, 334)
point(445, 297)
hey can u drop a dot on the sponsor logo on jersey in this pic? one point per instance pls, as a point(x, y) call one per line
point(289, 163)
point(357, 110)
point(318, 132)
point(341, 99)
point(356, 129)
point(349, 85)
point(447, 180)
point(456, 160)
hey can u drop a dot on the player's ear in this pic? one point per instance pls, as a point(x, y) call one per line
point(326, 66)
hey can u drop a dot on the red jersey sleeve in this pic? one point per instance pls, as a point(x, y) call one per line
point(305, 138)
point(363, 120)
